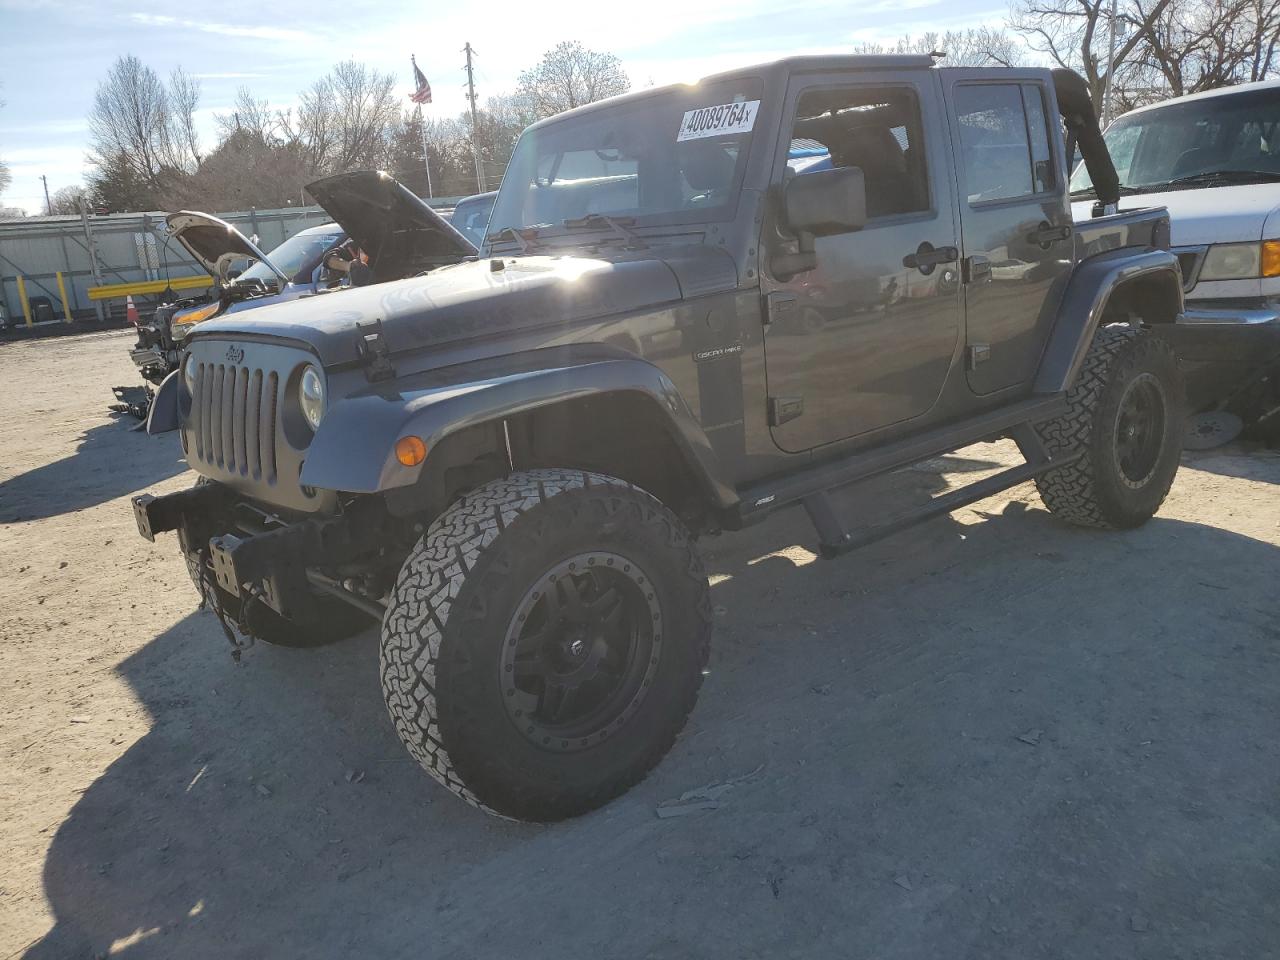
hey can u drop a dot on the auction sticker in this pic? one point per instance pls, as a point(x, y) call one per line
point(718, 121)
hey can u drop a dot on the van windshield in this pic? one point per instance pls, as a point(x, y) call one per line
point(1214, 141)
point(295, 258)
point(673, 157)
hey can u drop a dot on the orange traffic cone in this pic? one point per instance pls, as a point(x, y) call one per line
point(130, 311)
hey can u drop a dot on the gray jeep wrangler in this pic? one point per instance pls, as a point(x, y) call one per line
point(695, 305)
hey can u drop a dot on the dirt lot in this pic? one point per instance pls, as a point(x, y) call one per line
point(992, 736)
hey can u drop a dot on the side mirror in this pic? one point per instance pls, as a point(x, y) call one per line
point(820, 204)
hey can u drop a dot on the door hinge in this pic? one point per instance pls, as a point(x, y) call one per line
point(975, 268)
point(977, 353)
point(783, 409)
point(779, 305)
point(371, 345)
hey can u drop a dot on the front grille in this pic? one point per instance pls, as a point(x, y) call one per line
point(242, 430)
point(233, 419)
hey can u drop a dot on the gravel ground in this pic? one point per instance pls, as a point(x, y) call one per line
point(991, 736)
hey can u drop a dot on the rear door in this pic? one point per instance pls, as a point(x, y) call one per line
point(1015, 220)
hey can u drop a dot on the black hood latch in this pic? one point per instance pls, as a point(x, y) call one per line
point(371, 345)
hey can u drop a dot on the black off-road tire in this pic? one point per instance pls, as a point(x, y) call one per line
point(328, 622)
point(1103, 488)
point(455, 618)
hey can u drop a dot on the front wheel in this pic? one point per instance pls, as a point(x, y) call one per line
point(1126, 414)
point(545, 642)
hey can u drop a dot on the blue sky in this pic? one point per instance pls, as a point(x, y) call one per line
point(53, 52)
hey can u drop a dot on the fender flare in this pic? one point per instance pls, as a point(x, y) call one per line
point(1085, 301)
point(163, 415)
point(354, 449)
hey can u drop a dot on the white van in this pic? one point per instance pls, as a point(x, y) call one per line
point(1213, 159)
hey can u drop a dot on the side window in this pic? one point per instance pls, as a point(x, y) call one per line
point(1038, 129)
point(877, 129)
point(996, 149)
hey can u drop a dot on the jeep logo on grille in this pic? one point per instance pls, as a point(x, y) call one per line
point(235, 354)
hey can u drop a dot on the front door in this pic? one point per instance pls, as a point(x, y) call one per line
point(865, 339)
point(1015, 220)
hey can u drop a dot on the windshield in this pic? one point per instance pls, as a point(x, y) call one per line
point(1238, 134)
point(295, 257)
point(673, 157)
point(471, 217)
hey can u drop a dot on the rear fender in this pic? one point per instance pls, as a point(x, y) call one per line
point(1098, 283)
point(354, 449)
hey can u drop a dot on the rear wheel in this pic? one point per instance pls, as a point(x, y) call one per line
point(1126, 413)
point(545, 642)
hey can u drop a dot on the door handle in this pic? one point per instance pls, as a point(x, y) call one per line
point(1046, 234)
point(927, 257)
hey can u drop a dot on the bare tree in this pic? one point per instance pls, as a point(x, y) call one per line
point(6, 177)
point(345, 118)
point(975, 47)
point(1193, 46)
point(183, 101)
point(250, 114)
point(138, 121)
point(1077, 34)
point(570, 75)
point(66, 200)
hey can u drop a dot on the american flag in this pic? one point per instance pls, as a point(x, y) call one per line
point(423, 93)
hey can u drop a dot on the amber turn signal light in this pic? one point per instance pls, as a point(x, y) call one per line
point(1271, 258)
point(411, 451)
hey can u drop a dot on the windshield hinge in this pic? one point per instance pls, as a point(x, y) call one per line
point(372, 348)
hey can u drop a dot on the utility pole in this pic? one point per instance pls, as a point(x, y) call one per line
point(481, 182)
point(48, 206)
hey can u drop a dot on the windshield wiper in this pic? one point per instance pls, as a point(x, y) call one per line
point(1085, 193)
point(524, 237)
point(1226, 176)
point(618, 225)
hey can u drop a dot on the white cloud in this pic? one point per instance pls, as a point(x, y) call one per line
point(278, 34)
point(228, 76)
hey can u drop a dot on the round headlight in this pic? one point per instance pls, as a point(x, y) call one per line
point(189, 372)
point(311, 396)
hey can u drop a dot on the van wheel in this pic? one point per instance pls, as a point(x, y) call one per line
point(545, 642)
point(1126, 413)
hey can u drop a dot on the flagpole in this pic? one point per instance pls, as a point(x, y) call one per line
point(426, 158)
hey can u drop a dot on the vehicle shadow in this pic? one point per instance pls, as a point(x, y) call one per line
point(109, 461)
point(937, 737)
point(1247, 461)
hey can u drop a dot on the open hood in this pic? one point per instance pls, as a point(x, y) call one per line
point(208, 239)
point(401, 234)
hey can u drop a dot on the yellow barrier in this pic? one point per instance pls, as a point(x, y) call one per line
point(109, 291)
point(22, 299)
point(66, 304)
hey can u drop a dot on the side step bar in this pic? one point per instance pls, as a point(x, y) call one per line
point(835, 539)
point(762, 498)
point(812, 487)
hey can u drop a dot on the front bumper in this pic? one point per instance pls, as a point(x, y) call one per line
point(1227, 331)
point(1214, 313)
point(251, 553)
